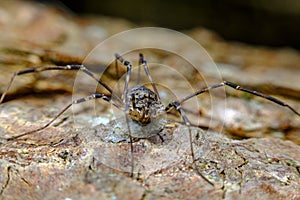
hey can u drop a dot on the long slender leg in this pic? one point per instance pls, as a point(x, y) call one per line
point(144, 64)
point(117, 67)
point(237, 87)
point(178, 107)
point(131, 144)
point(128, 65)
point(47, 68)
point(125, 99)
point(80, 100)
point(139, 70)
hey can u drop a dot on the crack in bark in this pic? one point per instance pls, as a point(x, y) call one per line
point(224, 185)
point(144, 195)
point(298, 169)
point(282, 162)
point(238, 168)
point(23, 179)
point(31, 144)
point(241, 171)
point(7, 180)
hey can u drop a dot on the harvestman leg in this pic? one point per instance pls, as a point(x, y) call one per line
point(124, 96)
point(48, 68)
point(141, 58)
point(143, 62)
point(177, 106)
point(78, 101)
point(127, 78)
point(67, 67)
point(125, 100)
point(187, 122)
point(237, 87)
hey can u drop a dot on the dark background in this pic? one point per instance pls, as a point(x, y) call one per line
point(263, 22)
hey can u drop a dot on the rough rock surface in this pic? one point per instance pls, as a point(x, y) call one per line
point(63, 163)
point(71, 159)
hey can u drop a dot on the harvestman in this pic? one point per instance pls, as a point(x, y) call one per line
point(139, 103)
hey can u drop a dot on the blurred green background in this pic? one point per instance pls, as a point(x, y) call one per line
point(263, 22)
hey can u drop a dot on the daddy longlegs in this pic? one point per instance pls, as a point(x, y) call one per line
point(139, 103)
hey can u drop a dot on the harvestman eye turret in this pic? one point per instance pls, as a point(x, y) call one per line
point(139, 103)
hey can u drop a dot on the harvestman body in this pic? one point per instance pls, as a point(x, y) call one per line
point(139, 103)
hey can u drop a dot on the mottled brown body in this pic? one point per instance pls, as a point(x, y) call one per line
point(144, 104)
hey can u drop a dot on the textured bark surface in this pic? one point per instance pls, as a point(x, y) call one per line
point(72, 159)
point(79, 165)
